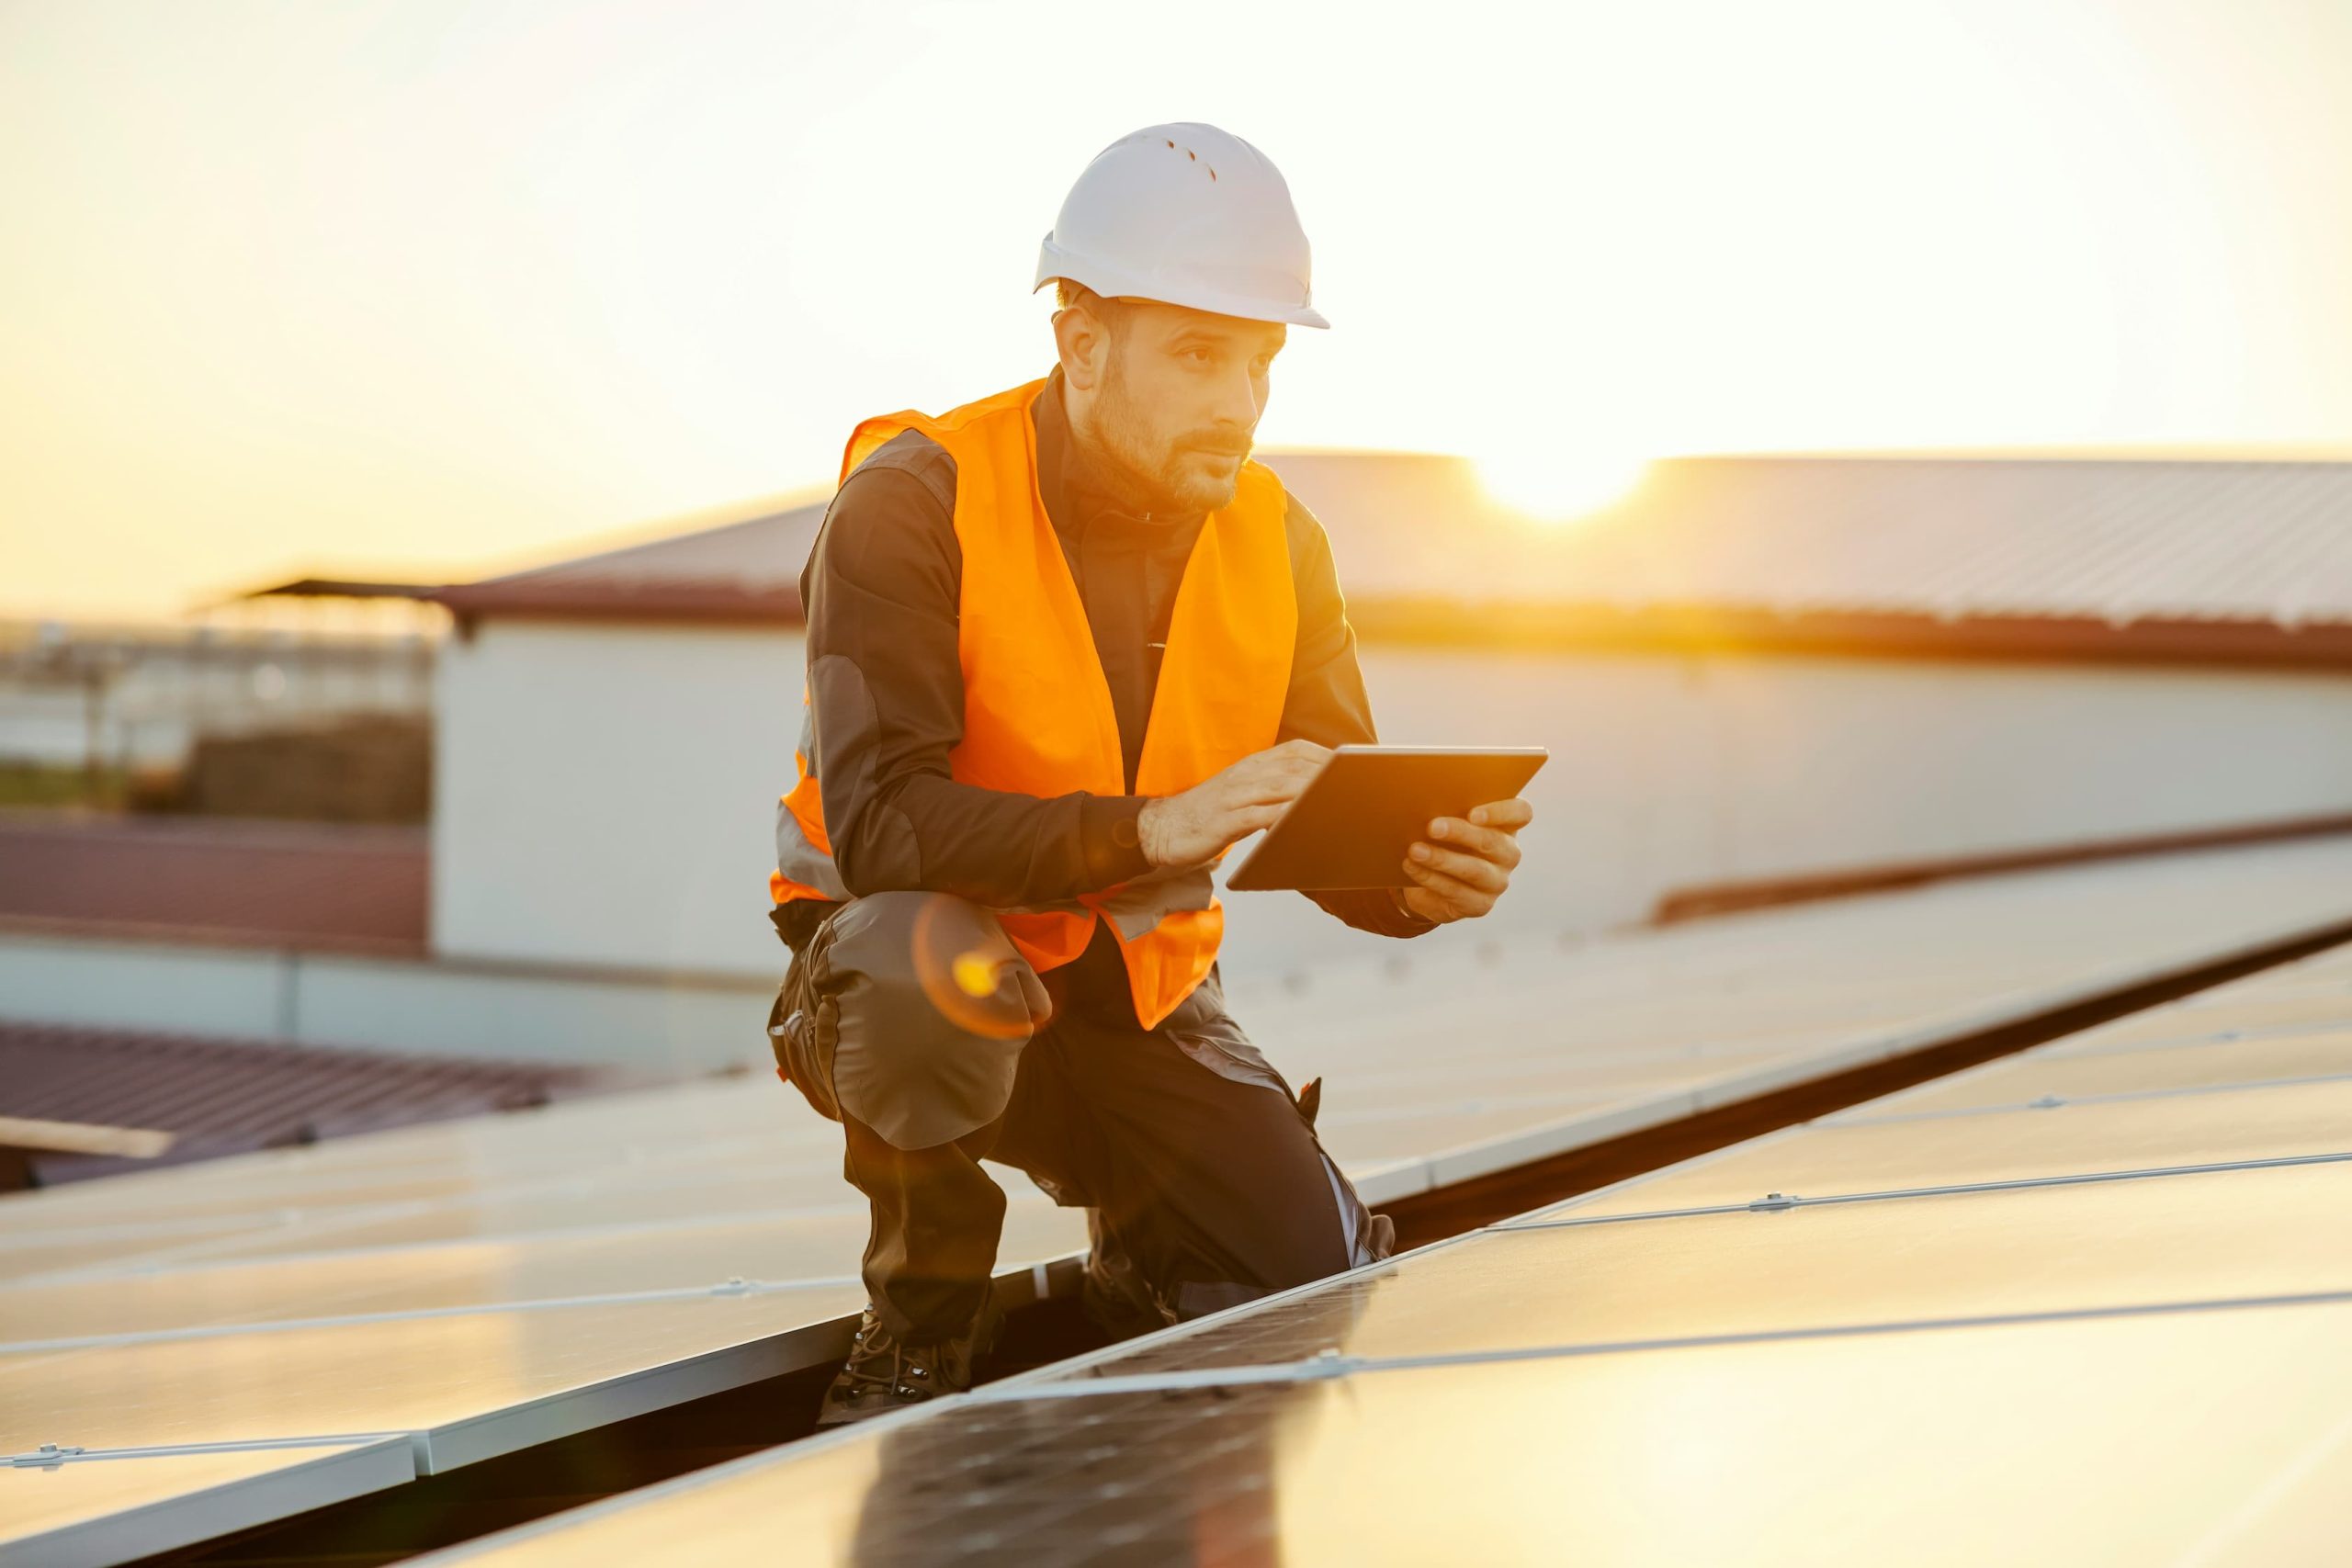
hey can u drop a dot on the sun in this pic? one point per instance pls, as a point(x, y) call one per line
point(1560, 486)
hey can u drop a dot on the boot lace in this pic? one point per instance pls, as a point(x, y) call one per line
point(879, 1363)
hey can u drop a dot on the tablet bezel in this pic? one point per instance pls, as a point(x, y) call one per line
point(1266, 856)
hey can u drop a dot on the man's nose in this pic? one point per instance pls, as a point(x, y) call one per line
point(1235, 415)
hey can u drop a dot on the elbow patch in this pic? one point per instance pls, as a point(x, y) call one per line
point(873, 845)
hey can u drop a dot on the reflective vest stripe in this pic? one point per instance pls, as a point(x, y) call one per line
point(804, 856)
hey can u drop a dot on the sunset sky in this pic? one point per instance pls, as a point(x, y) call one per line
point(427, 287)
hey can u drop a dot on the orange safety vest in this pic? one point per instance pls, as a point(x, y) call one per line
point(1038, 713)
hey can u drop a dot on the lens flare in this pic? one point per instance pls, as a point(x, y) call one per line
point(976, 973)
point(974, 979)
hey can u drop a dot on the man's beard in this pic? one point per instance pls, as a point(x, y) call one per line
point(1162, 486)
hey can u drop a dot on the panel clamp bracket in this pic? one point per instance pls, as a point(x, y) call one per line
point(49, 1455)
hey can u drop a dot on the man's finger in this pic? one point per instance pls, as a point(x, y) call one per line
point(1511, 816)
point(1248, 819)
point(1430, 907)
point(1462, 902)
point(1484, 843)
point(1269, 787)
point(1468, 871)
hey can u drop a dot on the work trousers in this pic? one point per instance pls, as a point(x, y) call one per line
point(909, 1018)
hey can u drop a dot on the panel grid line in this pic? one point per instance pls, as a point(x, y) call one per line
point(1778, 1202)
point(1336, 1364)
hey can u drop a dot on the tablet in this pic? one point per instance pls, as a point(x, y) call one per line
point(1353, 824)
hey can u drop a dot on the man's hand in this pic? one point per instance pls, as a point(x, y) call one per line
point(1463, 867)
point(1193, 828)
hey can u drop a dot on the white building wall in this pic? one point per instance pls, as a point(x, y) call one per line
point(1667, 772)
point(659, 1025)
point(606, 793)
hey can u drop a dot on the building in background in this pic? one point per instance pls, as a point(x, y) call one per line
point(78, 694)
point(1754, 675)
point(1749, 671)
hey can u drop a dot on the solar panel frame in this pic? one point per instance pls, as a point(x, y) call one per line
point(155, 1502)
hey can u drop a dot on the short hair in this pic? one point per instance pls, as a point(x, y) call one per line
point(1110, 309)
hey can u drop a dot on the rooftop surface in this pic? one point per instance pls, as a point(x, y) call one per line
point(351, 887)
point(212, 1097)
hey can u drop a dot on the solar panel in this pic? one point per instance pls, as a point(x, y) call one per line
point(480, 1286)
point(2054, 1443)
point(2320, 1010)
point(2104, 1330)
point(1448, 1070)
point(2039, 1081)
point(2102, 1138)
point(2008, 1253)
point(79, 1509)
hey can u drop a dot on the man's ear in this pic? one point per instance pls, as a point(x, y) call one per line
point(1083, 340)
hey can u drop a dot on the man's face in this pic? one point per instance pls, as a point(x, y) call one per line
point(1181, 400)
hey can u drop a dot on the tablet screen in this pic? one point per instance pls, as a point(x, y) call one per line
point(1353, 823)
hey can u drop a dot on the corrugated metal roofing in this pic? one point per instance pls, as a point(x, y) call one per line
point(745, 569)
point(2110, 540)
point(218, 1097)
point(2101, 542)
point(348, 886)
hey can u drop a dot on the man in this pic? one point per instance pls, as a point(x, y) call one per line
point(1066, 645)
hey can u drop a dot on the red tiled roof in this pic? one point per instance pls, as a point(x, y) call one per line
point(219, 1096)
point(343, 886)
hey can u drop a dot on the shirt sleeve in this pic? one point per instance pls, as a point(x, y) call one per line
point(885, 689)
point(1328, 704)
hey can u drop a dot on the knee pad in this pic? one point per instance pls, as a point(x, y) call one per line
point(911, 1016)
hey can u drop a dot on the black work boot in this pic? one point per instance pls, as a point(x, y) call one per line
point(883, 1374)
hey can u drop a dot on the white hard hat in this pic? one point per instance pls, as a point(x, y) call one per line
point(1189, 215)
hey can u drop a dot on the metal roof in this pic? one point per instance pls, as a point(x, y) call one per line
point(2107, 540)
point(349, 888)
point(745, 569)
point(214, 1096)
point(2033, 557)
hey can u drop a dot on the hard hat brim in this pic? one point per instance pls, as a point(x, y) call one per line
point(1111, 282)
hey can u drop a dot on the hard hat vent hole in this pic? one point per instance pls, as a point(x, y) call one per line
point(1212, 174)
point(1169, 144)
point(1189, 153)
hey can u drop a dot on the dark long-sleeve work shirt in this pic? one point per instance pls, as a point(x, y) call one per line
point(882, 589)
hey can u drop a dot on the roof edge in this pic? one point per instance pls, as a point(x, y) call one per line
point(709, 602)
point(1593, 627)
point(1701, 900)
point(1887, 634)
